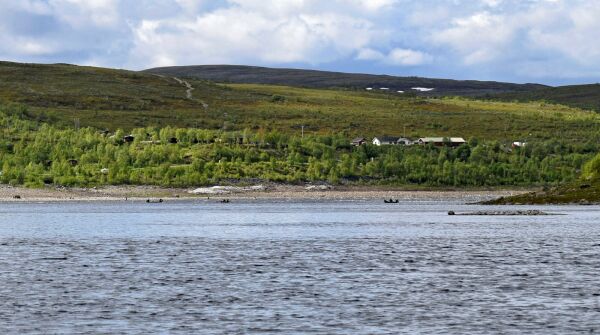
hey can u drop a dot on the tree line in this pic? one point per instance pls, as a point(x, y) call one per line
point(36, 154)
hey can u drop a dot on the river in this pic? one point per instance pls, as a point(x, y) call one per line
point(296, 267)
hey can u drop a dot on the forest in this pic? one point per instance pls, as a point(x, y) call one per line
point(35, 154)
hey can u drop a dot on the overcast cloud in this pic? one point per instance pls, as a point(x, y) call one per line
point(548, 41)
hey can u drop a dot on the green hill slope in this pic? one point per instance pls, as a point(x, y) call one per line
point(68, 86)
point(69, 95)
point(201, 133)
point(324, 79)
point(109, 98)
point(584, 190)
point(580, 96)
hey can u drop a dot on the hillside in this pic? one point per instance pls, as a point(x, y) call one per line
point(580, 96)
point(323, 79)
point(195, 132)
point(68, 95)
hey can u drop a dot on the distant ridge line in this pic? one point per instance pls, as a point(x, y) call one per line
point(243, 74)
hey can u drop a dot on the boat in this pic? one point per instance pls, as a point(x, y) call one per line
point(391, 201)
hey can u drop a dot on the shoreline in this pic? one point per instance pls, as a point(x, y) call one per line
point(272, 192)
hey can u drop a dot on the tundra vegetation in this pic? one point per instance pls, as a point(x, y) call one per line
point(53, 120)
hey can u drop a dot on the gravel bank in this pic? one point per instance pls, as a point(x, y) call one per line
point(142, 193)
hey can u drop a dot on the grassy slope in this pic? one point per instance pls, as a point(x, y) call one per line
point(323, 79)
point(580, 96)
point(575, 192)
point(106, 98)
point(372, 114)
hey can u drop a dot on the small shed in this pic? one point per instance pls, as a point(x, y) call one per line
point(357, 142)
point(519, 144)
point(128, 138)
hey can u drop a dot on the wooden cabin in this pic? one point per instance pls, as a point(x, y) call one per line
point(357, 142)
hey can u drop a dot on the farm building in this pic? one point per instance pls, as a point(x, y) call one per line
point(442, 141)
point(404, 141)
point(392, 140)
point(385, 140)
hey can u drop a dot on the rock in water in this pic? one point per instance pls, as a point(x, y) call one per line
point(531, 212)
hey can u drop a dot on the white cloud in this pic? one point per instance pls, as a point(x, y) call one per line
point(26, 46)
point(375, 5)
point(480, 37)
point(573, 33)
point(548, 30)
point(492, 3)
point(408, 57)
point(238, 34)
point(78, 13)
point(397, 56)
point(369, 54)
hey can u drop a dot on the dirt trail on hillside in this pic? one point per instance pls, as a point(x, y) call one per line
point(189, 87)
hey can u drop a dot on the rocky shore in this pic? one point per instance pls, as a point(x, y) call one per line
point(276, 191)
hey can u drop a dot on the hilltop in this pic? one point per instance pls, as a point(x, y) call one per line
point(324, 79)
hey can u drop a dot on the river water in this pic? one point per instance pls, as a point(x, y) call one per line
point(296, 267)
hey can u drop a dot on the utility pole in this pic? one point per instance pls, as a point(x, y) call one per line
point(302, 131)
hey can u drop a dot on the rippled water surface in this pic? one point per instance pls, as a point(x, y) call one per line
point(333, 267)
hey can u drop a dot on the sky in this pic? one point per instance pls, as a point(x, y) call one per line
point(554, 42)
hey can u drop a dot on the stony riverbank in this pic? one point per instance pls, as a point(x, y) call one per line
point(276, 191)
